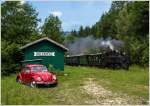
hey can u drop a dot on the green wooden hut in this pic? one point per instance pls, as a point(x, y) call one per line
point(44, 51)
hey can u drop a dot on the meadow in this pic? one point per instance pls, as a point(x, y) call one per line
point(82, 85)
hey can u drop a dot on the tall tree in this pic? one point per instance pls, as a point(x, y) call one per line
point(87, 31)
point(127, 21)
point(52, 28)
point(117, 5)
point(133, 27)
point(19, 21)
point(74, 33)
point(133, 20)
point(81, 32)
point(18, 25)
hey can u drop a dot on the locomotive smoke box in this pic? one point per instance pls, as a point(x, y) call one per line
point(88, 45)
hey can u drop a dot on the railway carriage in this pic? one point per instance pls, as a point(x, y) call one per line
point(111, 59)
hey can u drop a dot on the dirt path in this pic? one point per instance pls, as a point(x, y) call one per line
point(103, 96)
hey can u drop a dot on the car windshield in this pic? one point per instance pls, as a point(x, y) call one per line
point(39, 68)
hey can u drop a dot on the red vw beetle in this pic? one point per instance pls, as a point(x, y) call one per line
point(34, 74)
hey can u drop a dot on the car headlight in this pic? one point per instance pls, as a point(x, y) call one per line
point(39, 79)
point(54, 77)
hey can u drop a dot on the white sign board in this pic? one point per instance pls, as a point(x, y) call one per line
point(44, 53)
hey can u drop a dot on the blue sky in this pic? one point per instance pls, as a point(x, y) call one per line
point(72, 14)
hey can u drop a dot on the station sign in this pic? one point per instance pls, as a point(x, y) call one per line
point(44, 53)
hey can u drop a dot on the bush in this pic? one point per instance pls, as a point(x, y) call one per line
point(11, 56)
point(54, 70)
point(145, 57)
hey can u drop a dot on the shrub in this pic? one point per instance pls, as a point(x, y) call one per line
point(11, 56)
point(52, 69)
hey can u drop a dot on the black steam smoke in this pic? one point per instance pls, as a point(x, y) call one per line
point(89, 44)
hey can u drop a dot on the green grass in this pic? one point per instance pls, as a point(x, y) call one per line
point(133, 82)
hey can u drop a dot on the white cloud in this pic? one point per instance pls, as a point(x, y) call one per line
point(56, 13)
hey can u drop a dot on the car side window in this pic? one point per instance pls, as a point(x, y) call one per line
point(27, 70)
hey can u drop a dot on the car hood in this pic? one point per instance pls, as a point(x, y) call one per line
point(46, 76)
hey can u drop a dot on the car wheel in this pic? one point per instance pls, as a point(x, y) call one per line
point(33, 84)
point(55, 84)
point(18, 80)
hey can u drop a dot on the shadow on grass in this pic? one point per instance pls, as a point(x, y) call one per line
point(46, 86)
point(42, 86)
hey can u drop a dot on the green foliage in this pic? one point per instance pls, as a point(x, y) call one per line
point(81, 32)
point(70, 39)
point(51, 67)
point(145, 57)
point(18, 27)
point(11, 55)
point(133, 20)
point(132, 27)
point(145, 52)
point(19, 21)
point(74, 33)
point(127, 21)
point(52, 28)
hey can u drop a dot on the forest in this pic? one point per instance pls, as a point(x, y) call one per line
point(127, 21)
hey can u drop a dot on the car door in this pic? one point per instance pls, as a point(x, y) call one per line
point(23, 74)
point(27, 75)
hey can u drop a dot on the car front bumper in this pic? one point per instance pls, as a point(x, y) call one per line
point(46, 82)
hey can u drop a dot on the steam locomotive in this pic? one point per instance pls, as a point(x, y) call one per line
point(109, 59)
